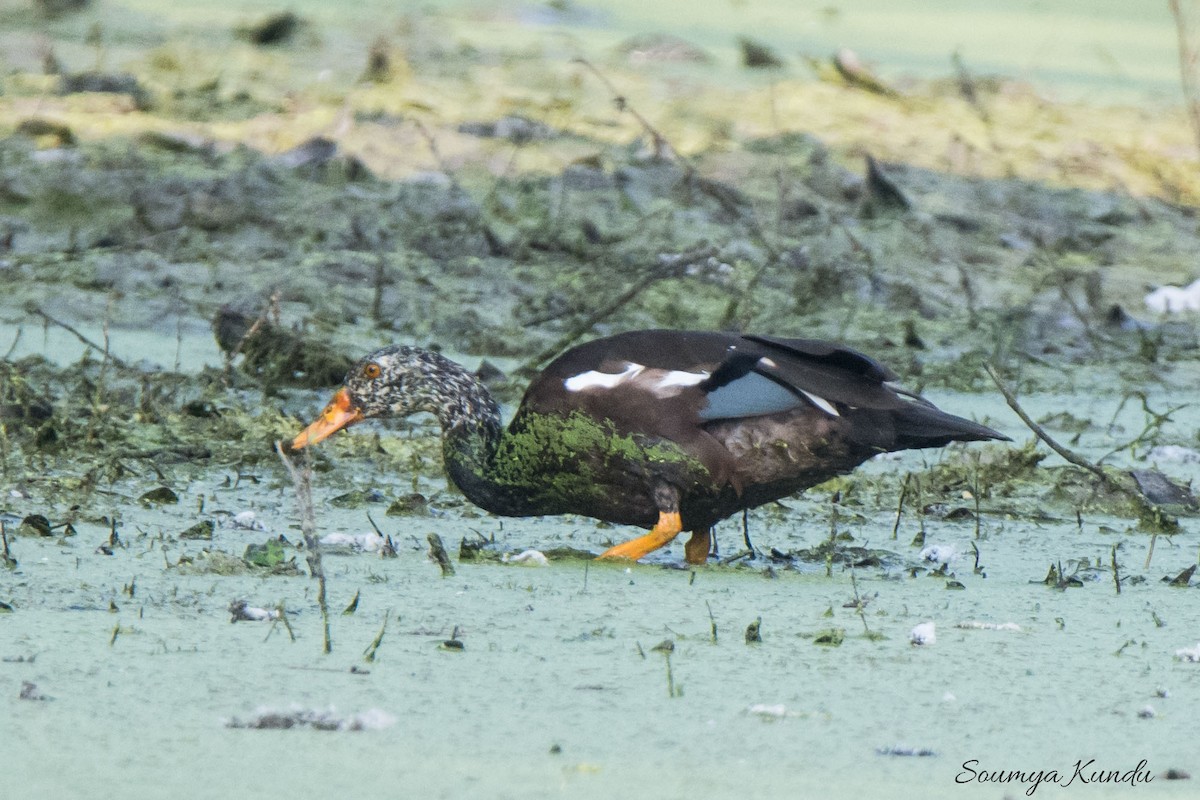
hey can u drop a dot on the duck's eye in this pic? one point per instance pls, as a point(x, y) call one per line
point(371, 371)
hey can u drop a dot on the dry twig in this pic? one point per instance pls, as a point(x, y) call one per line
point(662, 147)
point(302, 482)
point(1150, 511)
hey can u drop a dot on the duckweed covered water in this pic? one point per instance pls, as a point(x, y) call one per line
point(557, 689)
point(533, 220)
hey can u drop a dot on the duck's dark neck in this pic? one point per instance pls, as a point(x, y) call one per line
point(471, 433)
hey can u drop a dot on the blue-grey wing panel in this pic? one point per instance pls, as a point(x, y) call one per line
point(751, 395)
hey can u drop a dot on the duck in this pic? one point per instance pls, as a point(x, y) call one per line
point(666, 430)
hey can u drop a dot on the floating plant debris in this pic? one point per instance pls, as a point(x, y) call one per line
point(266, 719)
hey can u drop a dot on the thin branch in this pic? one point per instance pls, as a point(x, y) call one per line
point(13, 347)
point(1116, 570)
point(1040, 432)
point(431, 143)
point(302, 482)
point(900, 504)
point(102, 349)
point(1152, 511)
point(1152, 427)
point(662, 147)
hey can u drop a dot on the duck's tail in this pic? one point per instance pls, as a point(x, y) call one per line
point(922, 424)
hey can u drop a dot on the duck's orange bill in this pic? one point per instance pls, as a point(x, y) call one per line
point(340, 412)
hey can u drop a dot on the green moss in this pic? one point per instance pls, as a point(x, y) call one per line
point(559, 457)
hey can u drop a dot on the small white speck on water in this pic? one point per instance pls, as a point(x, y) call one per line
point(923, 634)
point(528, 558)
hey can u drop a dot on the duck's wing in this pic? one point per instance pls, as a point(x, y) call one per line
point(776, 374)
point(672, 384)
point(724, 376)
point(779, 374)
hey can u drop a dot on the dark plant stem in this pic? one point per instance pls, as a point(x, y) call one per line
point(373, 647)
point(437, 551)
point(900, 505)
point(1115, 570)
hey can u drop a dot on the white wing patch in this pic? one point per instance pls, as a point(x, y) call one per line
point(679, 378)
point(661, 383)
point(602, 380)
point(821, 403)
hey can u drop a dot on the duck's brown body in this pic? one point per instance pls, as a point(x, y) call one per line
point(737, 459)
point(772, 459)
point(670, 430)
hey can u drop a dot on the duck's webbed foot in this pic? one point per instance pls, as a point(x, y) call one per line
point(669, 526)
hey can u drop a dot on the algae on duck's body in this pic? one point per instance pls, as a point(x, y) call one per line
point(555, 460)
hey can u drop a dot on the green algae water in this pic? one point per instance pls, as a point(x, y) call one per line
point(557, 688)
point(550, 693)
point(944, 623)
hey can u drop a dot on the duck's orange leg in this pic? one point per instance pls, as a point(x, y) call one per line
point(697, 547)
point(668, 527)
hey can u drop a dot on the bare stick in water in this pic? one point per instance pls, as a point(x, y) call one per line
point(1116, 570)
point(900, 504)
point(1151, 511)
point(103, 350)
point(302, 482)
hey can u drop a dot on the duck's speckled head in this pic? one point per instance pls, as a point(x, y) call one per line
point(398, 381)
point(395, 381)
